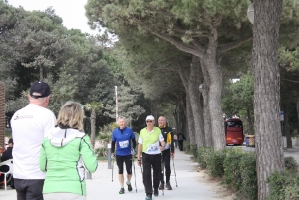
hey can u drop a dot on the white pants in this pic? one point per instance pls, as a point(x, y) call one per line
point(63, 196)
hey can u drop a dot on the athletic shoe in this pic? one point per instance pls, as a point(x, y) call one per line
point(129, 187)
point(148, 196)
point(156, 192)
point(122, 191)
point(161, 187)
point(168, 186)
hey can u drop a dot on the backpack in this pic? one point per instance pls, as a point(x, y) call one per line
point(180, 137)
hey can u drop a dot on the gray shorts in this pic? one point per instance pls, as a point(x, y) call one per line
point(63, 196)
point(29, 189)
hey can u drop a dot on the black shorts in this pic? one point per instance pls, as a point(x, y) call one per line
point(120, 160)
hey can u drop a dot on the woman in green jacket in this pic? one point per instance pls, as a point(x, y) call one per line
point(65, 155)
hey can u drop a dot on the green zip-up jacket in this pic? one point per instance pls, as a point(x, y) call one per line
point(65, 155)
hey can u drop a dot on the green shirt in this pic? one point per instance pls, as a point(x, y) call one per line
point(150, 140)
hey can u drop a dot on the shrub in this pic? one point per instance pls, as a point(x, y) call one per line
point(101, 152)
point(215, 163)
point(193, 150)
point(283, 186)
point(186, 147)
point(247, 166)
point(232, 172)
point(105, 132)
point(291, 164)
point(203, 155)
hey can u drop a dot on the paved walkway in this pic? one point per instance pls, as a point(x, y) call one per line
point(192, 183)
point(187, 175)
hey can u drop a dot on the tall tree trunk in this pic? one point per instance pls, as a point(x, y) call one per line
point(183, 118)
point(190, 121)
point(250, 122)
point(269, 151)
point(93, 127)
point(184, 127)
point(184, 72)
point(194, 95)
point(176, 117)
point(179, 116)
point(286, 126)
point(206, 110)
point(41, 73)
point(214, 69)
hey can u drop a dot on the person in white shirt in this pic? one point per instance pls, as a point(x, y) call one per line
point(29, 127)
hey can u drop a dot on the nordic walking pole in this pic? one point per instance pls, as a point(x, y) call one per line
point(112, 168)
point(174, 173)
point(134, 172)
point(162, 171)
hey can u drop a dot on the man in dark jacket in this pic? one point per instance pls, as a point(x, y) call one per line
point(181, 139)
point(7, 154)
point(167, 153)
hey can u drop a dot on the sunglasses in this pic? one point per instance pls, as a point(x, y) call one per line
point(149, 121)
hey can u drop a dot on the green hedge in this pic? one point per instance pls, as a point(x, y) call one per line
point(186, 147)
point(215, 163)
point(285, 185)
point(231, 165)
point(203, 155)
point(193, 150)
point(249, 188)
point(237, 169)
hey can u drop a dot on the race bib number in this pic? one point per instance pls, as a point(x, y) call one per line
point(152, 148)
point(124, 144)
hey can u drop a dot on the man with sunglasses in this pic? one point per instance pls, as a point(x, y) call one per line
point(149, 146)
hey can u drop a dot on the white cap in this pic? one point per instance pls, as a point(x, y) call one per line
point(150, 117)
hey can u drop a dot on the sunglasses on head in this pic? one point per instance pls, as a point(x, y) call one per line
point(149, 121)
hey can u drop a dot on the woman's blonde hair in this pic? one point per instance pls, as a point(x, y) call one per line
point(71, 115)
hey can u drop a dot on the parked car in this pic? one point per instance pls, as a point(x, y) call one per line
point(234, 131)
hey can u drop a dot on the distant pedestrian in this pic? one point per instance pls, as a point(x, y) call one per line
point(175, 140)
point(123, 138)
point(29, 127)
point(181, 139)
point(150, 150)
point(66, 155)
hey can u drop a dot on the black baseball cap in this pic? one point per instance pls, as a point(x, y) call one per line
point(39, 90)
point(10, 141)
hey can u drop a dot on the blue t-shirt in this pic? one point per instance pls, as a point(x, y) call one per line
point(123, 139)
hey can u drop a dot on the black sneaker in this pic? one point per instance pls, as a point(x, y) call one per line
point(156, 192)
point(130, 187)
point(161, 187)
point(168, 186)
point(148, 196)
point(122, 191)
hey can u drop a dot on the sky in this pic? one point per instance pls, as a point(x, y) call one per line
point(72, 12)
